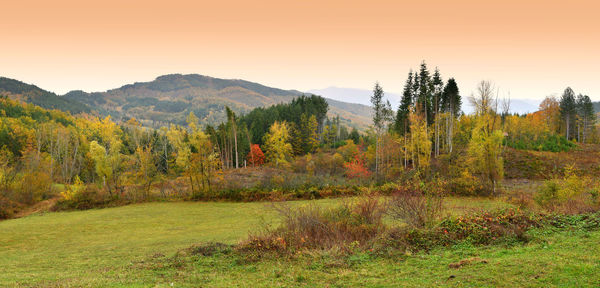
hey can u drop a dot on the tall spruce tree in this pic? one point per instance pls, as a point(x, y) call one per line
point(425, 93)
point(586, 117)
point(402, 126)
point(438, 86)
point(451, 99)
point(568, 109)
point(450, 102)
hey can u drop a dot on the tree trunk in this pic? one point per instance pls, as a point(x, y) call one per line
point(236, 147)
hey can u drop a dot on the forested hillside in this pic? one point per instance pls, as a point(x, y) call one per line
point(105, 159)
point(32, 94)
point(170, 98)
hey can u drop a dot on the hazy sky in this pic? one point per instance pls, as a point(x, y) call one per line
point(530, 48)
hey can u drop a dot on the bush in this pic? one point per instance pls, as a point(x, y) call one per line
point(568, 195)
point(480, 229)
point(8, 208)
point(87, 198)
point(415, 207)
point(35, 187)
point(313, 227)
point(466, 185)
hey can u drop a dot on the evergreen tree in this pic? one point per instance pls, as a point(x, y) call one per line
point(450, 103)
point(568, 109)
point(451, 99)
point(354, 135)
point(402, 125)
point(425, 94)
point(438, 85)
point(586, 117)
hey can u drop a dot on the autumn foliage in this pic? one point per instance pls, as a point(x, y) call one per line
point(356, 168)
point(255, 157)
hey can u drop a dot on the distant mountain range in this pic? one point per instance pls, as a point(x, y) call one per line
point(170, 98)
point(352, 95)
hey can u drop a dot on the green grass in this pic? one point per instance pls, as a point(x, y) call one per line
point(123, 247)
point(558, 260)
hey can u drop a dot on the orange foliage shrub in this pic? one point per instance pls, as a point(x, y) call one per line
point(356, 168)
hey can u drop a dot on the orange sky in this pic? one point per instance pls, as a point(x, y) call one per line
point(530, 48)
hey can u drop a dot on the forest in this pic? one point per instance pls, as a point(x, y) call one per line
point(291, 150)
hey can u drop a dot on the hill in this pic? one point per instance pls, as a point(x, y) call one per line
point(170, 98)
point(18, 90)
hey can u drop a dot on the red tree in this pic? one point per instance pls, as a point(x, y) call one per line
point(255, 156)
point(356, 168)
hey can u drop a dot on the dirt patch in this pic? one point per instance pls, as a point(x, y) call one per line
point(468, 261)
point(39, 207)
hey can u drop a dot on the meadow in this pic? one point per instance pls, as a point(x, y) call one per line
point(144, 245)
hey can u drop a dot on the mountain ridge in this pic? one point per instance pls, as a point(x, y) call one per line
point(169, 98)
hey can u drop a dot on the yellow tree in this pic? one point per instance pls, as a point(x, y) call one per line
point(205, 161)
point(485, 146)
point(550, 110)
point(196, 156)
point(420, 141)
point(107, 155)
point(278, 148)
point(101, 163)
point(146, 170)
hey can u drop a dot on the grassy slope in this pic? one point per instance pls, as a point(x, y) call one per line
point(102, 247)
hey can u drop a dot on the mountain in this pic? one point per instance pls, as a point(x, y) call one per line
point(352, 95)
point(18, 90)
point(597, 106)
point(170, 98)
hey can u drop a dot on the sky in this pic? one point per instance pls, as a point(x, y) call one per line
point(529, 49)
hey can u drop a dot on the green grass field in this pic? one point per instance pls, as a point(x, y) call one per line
point(108, 248)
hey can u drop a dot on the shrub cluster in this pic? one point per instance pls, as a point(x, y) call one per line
point(359, 225)
point(313, 227)
point(570, 195)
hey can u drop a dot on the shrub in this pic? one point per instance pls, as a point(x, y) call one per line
point(357, 168)
point(466, 185)
point(87, 198)
point(415, 207)
point(480, 229)
point(8, 208)
point(315, 227)
point(568, 195)
point(73, 189)
point(35, 187)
